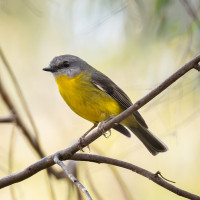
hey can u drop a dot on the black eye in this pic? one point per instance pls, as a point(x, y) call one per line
point(66, 64)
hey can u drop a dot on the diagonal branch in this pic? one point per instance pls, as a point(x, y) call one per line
point(194, 63)
point(32, 140)
point(19, 92)
point(153, 177)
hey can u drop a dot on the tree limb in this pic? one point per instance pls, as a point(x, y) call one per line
point(152, 176)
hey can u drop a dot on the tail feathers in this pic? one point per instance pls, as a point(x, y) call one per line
point(151, 142)
point(120, 128)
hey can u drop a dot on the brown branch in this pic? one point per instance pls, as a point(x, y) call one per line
point(19, 121)
point(152, 176)
point(48, 161)
point(197, 67)
point(8, 101)
point(68, 152)
point(122, 185)
point(19, 93)
point(160, 88)
point(9, 119)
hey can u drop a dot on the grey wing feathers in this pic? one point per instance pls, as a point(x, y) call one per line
point(105, 84)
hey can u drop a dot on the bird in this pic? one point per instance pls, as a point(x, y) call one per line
point(96, 98)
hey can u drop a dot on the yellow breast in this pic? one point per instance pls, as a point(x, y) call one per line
point(86, 100)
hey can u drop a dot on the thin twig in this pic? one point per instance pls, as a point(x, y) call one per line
point(10, 159)
point(92, 185)
point(152, 176)
point(20, 94)
point(122, 185)
point(49, 185)
point(158, 173)
point(34, 141)
point(20, 123)
point(9, 102)
point(48, 161)
point(72, 166)
point(9, 119)
point(197, 67)
point(72, 177)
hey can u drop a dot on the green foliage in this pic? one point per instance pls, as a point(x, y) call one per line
point(161, 5)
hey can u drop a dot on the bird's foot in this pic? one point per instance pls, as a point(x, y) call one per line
point(81, 140)
point(81, 143)
point(101, 129)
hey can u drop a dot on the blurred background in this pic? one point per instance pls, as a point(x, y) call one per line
point(138, 44)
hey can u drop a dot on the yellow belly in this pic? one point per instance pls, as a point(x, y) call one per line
point(86, 100)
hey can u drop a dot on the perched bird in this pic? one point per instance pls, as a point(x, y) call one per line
point(93, 96)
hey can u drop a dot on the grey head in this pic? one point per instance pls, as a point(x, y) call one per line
point(68, 65)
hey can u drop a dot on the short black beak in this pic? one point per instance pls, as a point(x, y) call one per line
point(49, 69)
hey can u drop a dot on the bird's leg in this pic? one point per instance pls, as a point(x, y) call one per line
point(86, 133)
point(81, 139)
point(101, 129)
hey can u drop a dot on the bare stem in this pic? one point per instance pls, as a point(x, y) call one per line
point(20, 94)
point(9, 119)
point(152, 176)
point(72, 177)
point(9, 102)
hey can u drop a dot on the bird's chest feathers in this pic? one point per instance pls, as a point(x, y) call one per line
point(70, 89)
point(77, 94)
point(85, 99)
